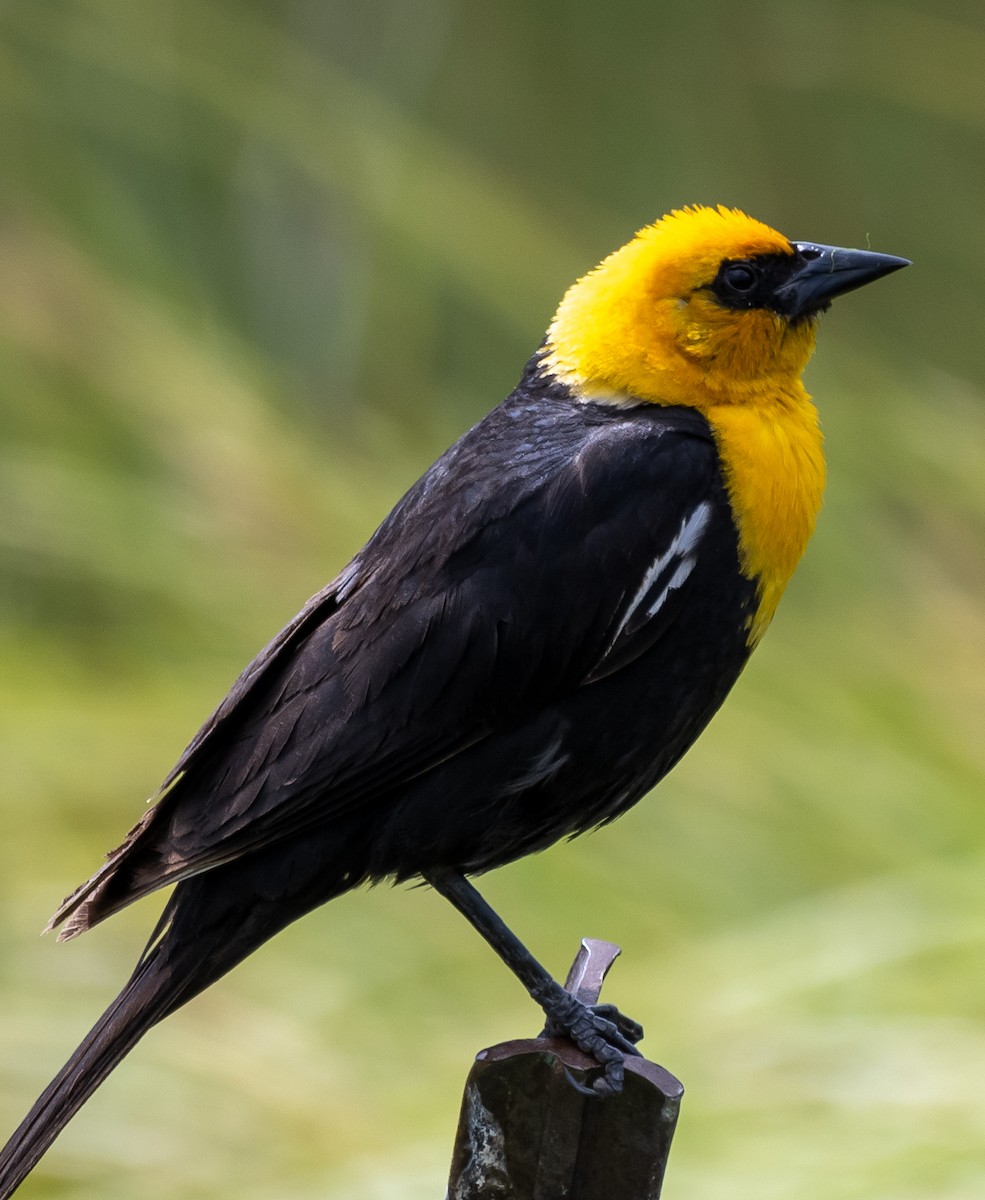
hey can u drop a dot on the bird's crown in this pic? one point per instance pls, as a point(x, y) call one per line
point(648, 324)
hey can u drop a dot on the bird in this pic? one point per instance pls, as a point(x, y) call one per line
point(530, 640)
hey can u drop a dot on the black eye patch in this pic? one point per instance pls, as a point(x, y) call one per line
point(753, 282)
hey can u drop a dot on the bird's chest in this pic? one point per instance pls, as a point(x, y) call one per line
point(773, 465)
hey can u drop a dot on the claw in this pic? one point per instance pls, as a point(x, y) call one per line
point(630, 1029)
point(612, 1024)
point(580, 1087)
point(599, 1030)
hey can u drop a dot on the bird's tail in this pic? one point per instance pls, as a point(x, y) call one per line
point(141, 1004)
point(208, 926)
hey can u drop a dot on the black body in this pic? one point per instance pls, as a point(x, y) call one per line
point(460, 696)
point(529, 641)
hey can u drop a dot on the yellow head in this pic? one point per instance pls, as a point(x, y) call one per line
point(712, 309)
point(658, 321)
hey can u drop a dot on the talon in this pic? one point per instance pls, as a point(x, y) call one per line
point(599, 1030)
point(591, 1092)
point(604, 1086)
point(630, 1029)
point(614, 1037)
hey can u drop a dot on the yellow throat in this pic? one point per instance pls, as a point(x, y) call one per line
point(644, 325)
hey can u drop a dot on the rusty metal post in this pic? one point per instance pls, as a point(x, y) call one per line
point(526, 1134)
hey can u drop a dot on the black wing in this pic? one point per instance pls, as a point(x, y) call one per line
point(549, 547)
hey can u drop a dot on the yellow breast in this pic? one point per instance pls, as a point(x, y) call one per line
point(647, 325)
point(774, 470)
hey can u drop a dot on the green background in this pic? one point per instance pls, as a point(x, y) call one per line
point(259, 263)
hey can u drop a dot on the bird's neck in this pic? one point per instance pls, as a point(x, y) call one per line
point(773, 462)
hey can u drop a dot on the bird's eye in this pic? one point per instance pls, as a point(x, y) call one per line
point(741, 276)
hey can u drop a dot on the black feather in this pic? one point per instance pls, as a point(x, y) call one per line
point(529, 641)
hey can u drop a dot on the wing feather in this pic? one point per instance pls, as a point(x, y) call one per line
point(517, 570)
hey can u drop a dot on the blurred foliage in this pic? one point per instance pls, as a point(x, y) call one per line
point(259, 262)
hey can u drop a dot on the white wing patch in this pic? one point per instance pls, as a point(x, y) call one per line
point(678, 559)
point(541, 768)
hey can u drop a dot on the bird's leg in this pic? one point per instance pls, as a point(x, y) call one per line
point(600, 1031)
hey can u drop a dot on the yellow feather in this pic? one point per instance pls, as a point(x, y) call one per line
point(644, 326)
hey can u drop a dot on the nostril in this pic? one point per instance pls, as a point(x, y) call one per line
point(809, 252)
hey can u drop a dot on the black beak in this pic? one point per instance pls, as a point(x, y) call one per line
point(829, 271)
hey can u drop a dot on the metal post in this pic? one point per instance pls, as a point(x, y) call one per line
point(526, 1134)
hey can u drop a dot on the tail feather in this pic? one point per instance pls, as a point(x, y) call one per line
point(211, 923)
point(142, 1003)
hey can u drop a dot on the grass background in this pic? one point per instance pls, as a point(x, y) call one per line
point(260, 261)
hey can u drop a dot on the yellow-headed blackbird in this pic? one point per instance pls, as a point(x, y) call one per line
point(526, 645)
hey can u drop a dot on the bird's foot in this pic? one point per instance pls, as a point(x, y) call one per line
point(600, 1030)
